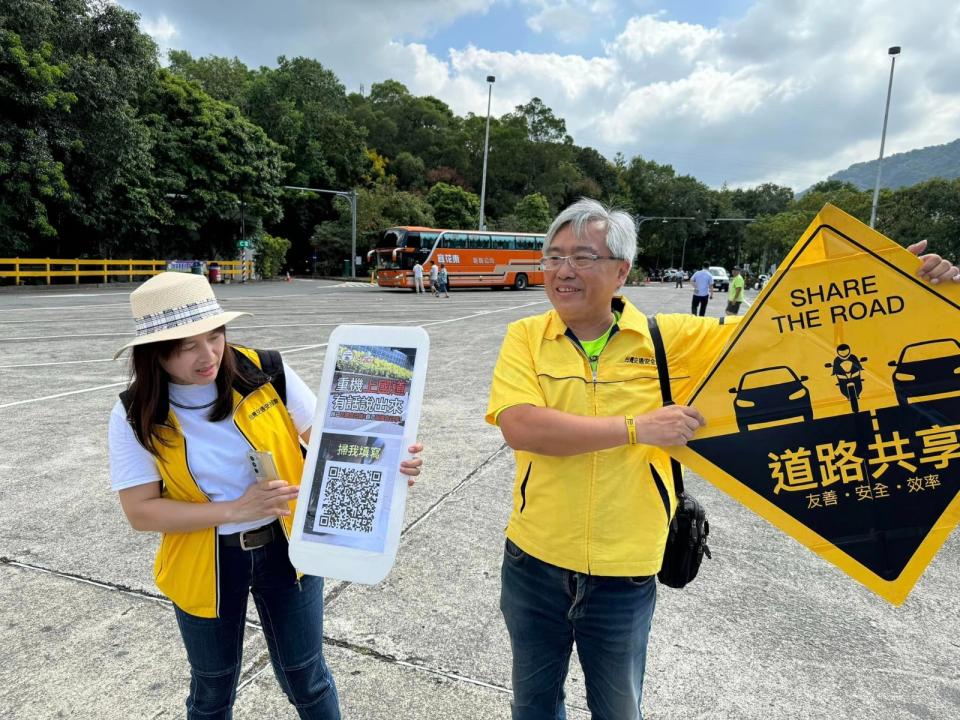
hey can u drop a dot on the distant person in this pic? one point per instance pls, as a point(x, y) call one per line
point(434, 279)
point(178, 439)
point(735, 297)
point(679, 279)
point(443, 281)
point(702, 291)
point(418, 277)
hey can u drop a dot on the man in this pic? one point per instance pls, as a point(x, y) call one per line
point(434, 274)
point(702, 291)
point(418, 277)
point(735, 296)
point(575, 395)
point(679, 279)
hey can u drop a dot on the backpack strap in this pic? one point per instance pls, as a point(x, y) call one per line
point(663, 371)
point(272, 365)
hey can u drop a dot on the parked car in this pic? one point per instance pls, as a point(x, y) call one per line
point(721, 281)
point(761, 281)
point(670, 274)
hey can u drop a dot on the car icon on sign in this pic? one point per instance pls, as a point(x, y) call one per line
point(927, 368)
point(770, 394)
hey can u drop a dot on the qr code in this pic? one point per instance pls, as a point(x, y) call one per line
point(349, 498)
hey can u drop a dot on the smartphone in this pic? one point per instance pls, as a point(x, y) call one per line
point(263, 466)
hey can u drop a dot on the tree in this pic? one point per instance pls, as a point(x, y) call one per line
point(270, 253)
point(531, 214)
point(410, 171)
point(73, 72)
point(215, 168)
point(378, 208)
point(453, 207)
point(226, 79)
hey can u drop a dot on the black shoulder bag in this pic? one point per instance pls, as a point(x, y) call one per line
point(689, 528)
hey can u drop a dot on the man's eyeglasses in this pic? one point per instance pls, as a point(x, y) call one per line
point(580, 261)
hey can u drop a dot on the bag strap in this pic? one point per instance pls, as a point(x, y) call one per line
point(272, 365)
point(663, 371)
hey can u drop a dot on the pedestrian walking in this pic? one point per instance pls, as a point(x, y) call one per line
point(418, 277)
point(434, 275)
point(702, 282)
point(735, 297)
point(178, 443)
point(443, 281)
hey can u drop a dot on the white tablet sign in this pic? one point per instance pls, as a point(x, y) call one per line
point(352, 495)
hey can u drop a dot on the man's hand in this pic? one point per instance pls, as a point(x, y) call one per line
point(668, 426)
point(934, 268)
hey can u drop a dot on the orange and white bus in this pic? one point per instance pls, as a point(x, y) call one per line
point(474, 258)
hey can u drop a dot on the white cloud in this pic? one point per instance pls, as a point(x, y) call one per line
point(162, 31)
point(569, 20)
point(790, 91)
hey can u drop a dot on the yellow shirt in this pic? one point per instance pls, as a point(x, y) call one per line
point(604, 512)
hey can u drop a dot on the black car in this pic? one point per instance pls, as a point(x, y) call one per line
point(769, 394)
point(927, 368)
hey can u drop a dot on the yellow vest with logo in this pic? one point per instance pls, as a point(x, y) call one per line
point(187, 564)
point(604, 512)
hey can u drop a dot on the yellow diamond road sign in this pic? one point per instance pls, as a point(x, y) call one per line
point(834, 412)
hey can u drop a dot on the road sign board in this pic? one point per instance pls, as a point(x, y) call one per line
point(834, 412)
point(243, 243)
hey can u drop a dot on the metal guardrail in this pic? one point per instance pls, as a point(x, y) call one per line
point(128, 270)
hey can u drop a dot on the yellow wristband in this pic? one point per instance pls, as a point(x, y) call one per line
point(631, 429)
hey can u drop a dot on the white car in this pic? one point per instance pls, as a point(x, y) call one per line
point(721, 281)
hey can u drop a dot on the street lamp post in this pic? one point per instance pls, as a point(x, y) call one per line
point(641, 219)
point(486, 148)
point(351, 195)
point(892, 52)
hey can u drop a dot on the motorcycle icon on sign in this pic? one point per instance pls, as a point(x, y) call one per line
point(847, 369)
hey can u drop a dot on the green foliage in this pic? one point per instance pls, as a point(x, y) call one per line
point(221, 78)
point(216, 168)
point(906, 169)
point(271, 254)
point(377, 209)
point(531, 214)
point(454, 207)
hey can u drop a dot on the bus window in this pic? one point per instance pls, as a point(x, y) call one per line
point(425, 240)
point(393, 238)
point(505, 242)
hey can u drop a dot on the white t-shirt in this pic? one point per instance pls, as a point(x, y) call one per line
point(216, 451)
point(418, 270)
point(433, 272)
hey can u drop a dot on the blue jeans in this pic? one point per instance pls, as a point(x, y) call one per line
point(292, 619)
point(547, 609)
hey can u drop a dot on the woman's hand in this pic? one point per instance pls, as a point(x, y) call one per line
point(411, 467)
point(264, 499)
point(934, 268)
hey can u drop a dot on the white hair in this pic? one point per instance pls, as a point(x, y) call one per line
point(621, 232)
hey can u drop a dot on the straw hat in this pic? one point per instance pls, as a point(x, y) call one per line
point(174, 305)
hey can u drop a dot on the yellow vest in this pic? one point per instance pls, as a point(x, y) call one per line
point(187, 565)
point(605, 512)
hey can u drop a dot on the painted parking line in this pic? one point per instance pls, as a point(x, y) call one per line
point(65, 394)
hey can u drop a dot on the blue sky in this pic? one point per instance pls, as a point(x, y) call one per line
point(730, 91)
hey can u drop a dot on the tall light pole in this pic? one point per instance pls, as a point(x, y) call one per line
point(486, 148)
point(892, 52)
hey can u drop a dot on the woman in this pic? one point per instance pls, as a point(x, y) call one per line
point(179, 438)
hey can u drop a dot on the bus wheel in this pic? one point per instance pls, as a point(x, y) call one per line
point(520, 283)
